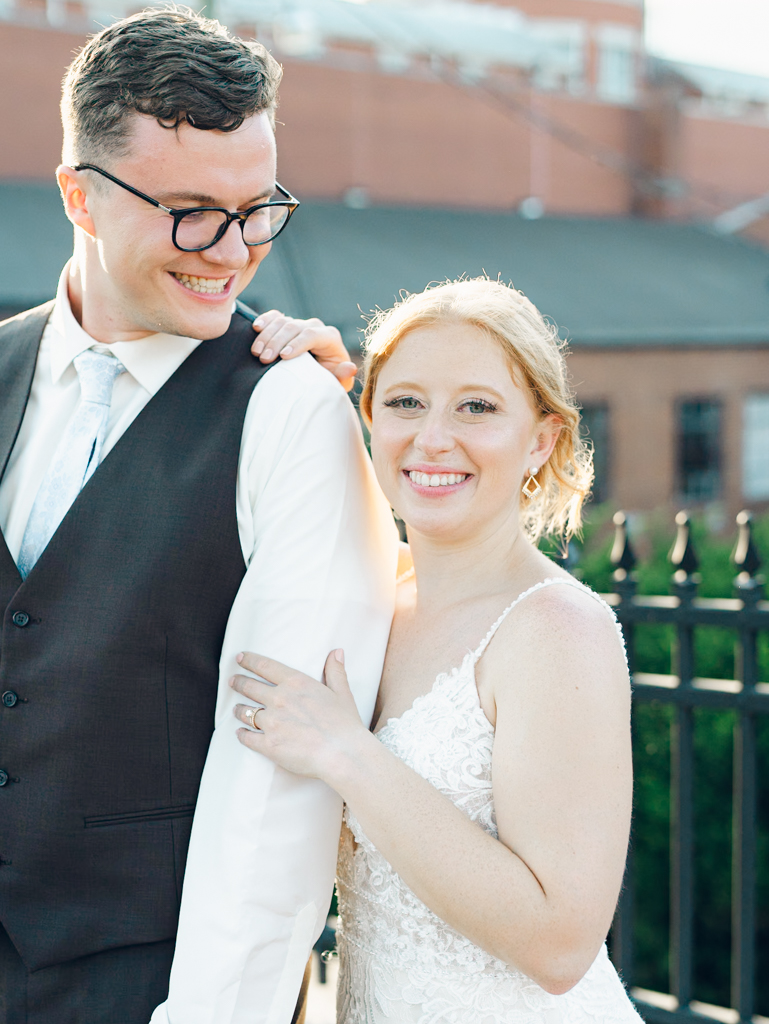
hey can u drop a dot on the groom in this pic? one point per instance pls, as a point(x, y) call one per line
point(167, 501)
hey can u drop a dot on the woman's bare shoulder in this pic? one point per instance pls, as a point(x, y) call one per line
point(561, 630)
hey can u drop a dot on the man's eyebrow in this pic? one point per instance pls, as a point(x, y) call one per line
point(199, 199)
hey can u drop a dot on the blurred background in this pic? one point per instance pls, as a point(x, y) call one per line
point(583, 149)
point(611, 159)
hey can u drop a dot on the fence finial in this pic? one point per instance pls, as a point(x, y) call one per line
point(622, 556)
point(745, 557)
point(682, 556)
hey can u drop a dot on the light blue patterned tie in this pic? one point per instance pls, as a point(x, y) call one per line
point(76, 456)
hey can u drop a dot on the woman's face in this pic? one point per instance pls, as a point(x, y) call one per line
point(452, 434)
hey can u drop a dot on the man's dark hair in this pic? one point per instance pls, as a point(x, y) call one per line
point(170, 64)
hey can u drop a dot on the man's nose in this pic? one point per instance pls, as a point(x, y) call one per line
point(230, 251)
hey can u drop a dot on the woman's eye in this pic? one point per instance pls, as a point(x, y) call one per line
point(407, 402)
point(476, 406)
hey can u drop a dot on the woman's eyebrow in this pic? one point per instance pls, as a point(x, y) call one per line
point(464, 388)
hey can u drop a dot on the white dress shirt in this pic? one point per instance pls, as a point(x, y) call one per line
point(321, 550)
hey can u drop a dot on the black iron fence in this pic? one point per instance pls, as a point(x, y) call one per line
point(746, 613)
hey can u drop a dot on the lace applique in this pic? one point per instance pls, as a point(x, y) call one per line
point(401, 963)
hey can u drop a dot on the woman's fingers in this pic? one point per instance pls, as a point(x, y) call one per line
point(286, 337)
point(269, 669)
point(334, 672)
point(249, 714)
point(279, 337)
point(254, 689)
point(253, 740)
point(265, 326)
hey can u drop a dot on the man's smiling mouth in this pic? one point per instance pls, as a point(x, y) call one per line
point(206, 285)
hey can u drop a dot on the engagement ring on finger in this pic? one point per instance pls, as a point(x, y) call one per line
point(251, 714)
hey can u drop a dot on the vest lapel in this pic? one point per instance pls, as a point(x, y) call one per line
point(19, 344)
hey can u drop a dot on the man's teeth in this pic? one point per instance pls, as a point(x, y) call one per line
point(437, 479)
point(207, 285)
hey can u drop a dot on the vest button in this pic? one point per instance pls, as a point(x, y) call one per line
point(10, 698)
point(3, 777)
point(20, 619)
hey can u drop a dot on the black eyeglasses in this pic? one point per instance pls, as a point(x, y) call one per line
point(200, 227)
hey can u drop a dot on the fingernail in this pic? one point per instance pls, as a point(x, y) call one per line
point(239, 658)
point(259, 322)
point(267, 354)
point(232, 680)
point(258, 347)
point(339, 655)
point(287, 350)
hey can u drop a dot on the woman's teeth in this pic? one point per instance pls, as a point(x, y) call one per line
point(437, 479)
point(207, 285)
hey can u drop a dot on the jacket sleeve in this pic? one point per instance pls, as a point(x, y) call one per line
point(321, 550)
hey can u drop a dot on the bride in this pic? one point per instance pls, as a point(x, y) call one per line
point(487, 812)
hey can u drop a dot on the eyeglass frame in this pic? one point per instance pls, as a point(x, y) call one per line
point(290, 203)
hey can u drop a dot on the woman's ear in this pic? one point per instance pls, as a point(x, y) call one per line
point(73, 193)
point(545, 438)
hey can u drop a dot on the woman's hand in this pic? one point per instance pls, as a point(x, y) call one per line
point(285, 337)
point(304, 726)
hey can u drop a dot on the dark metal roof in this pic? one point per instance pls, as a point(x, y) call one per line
point(605, 282)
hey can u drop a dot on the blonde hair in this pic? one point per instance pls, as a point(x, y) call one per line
point(536, 357)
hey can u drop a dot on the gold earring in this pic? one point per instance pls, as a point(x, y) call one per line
point(531, 488)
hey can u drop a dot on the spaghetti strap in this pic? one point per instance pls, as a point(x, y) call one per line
point(568, 581)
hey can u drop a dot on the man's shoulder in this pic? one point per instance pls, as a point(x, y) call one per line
point(302, 377)
point(289, 382)
point(29, 318)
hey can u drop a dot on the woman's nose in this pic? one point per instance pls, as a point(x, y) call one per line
point(434, 435)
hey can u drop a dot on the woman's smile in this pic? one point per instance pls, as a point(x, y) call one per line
point(436, 481)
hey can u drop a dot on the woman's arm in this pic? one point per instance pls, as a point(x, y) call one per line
point(542, 897)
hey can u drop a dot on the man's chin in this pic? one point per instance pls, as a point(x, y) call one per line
point(203, 324)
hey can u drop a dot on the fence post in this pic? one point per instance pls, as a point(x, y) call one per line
point(685, 563)
point(624, 584)
point(748, 588)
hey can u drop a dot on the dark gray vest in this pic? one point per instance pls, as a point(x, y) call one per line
point(109, 657)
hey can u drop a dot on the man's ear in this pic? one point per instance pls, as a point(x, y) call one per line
point(72, 186)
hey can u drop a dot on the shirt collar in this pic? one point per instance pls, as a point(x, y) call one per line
point(150, 361)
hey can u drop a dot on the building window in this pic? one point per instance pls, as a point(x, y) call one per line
point(595, 427)
point(699, 450)
point(755, 448)
point(617, 63)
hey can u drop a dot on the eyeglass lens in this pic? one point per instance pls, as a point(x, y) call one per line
point(200, 228)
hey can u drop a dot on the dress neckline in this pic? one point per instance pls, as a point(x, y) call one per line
point(475, 655)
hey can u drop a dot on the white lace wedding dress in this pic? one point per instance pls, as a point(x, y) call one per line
point(398, 961)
